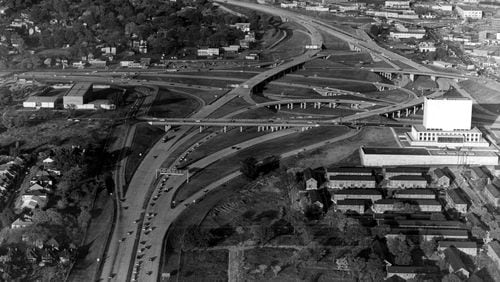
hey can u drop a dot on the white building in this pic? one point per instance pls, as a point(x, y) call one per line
point(396, 4)
point(469, 12)
point(447, 123)
point(208, 52)
point(426, 46)
point(40, 102)
point(417, 34)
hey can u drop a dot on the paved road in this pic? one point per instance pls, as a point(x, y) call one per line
point(163, 220)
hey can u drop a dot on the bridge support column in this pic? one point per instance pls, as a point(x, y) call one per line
point(167, 127)
point(272, 128)
point(224, 129)
point(241, 128)
point(407, 112)
point(258, 128)
point(433, 77)
point(201, 128)
point(412, 77)
point(399, 114)
point(386, 115)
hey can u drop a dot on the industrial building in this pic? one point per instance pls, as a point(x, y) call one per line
point(47, 102)
point(394, 156)
point(351, 181)
point(406, 181)
point(78, 95)
point(468, 247)
point(415, 193)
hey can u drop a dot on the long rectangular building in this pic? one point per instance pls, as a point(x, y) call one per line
point(395, 156)
point(78, 95)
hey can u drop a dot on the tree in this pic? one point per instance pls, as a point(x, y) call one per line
point(374, 268)
point(401, 250)
point(84, 219)
point(249, 168)
point(428, 247)
point(50, 216)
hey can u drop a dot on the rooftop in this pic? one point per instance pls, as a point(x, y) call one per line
point(495, 246)
point(416, 191)
point(453, 257)
point(457, 244)
point(406, 169)
point(410, 201)
point(394, 151)
point(430, 231)
point(79, 89)
point(353, 177)
point(493, 190)
point(352, 169)
point(41, 99)
point(408, 177)
point(358, 191)
point(411, 269)
point(351, 202)
point(456, 196)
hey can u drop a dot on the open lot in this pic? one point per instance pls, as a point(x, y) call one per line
point(344, 152)
point(204, 266)
point(169, 104)
point(484, 95)
point(293, 45)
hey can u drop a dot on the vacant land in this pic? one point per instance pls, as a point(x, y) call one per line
point(274, 147)
point(144, 138)
point(169, 104)
point(483, 93)
point(201, 81)
point(204, 266)
point(395, 95)
point(231, 106)
point(292, 46)
point(355, 74)
point(346, 151)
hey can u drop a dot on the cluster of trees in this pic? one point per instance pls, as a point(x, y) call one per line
point(251, 168)
point(167, 26)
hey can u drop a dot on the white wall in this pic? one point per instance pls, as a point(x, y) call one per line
point(447, 114)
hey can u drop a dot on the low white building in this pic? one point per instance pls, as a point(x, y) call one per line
point(469, 12)
point(426, 46)
point(208, 52)
point(397, 4)
point(48, 102)
point(417, 34)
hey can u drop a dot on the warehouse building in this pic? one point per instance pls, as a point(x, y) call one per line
point(78, 95)
point(394, 156)
point(351, 181)
point(407, 181)
point(415, 193)
point(46, 102)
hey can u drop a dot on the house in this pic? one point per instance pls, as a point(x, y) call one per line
point(353, 205)
point(426, 46)
point(415, 193)
point(32, 255)
point(467, 247)
point(440, 179)
point(245, 27)
point(397, 4)
point(407, 181)
point(32, 200)
point(455, 262)
point(52, 243)
point(64, 256)
point(456, 199)
point(21, 222)
point(48, 161)
point(409, 272)
point(47, 257)
point(310, 180)
point(492, 194)
point(351, 181)
point(369, 194)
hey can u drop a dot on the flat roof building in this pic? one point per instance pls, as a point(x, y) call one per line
point(351, 181)
point(353, 205)
point(415, 193)
point(468, 247)
point(78, 95)
point(41, 102)
point(369, 194)
point(391, 156)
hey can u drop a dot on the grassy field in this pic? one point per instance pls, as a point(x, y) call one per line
point(484, 95)
point(256, 258)
point(331, 42)
point(172, 245)
point(339, 152)
point(274, 147)
point(145, 137)
point(356, 74)
point(231, 106)
point(292, 46)
point(204, 266)
point(312, 82)
point(199, 81)
point(170, 104)
point(395, 95)
point(102, 219)
point(233, 74)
